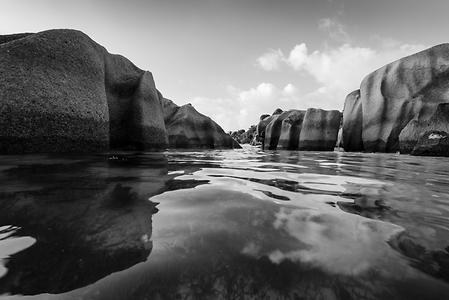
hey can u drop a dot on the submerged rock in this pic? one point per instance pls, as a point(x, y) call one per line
point(319, 130)
point(187, 128)
point(62, 92)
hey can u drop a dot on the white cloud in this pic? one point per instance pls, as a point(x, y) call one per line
point(242, 108)
point(329, 74)
point(339, 70)
point(289, 90)
point(271, 60)
point(298, 56)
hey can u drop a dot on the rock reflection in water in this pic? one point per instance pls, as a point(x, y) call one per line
point(88, 220)
point(281, 225)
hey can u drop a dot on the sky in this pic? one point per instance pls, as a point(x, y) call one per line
point(237, 59)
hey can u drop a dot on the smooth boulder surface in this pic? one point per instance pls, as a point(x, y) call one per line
point(290, 130)
point(351, 133)
point(264, 120)
point(273, 130)
point(62, 92)
point(319, 130)
point(408, 89)
point(187, 128)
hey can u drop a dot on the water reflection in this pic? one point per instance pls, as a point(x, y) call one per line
point(234, 224)
point(90, 217)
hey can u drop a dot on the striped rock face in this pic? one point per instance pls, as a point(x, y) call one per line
point(290, 130)
point(314, 129)
point(319, 130)
point(399, 97)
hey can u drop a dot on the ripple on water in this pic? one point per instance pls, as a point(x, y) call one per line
point(252, 224)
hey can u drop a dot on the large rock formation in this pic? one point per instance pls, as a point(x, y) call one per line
point(62, 92)
point(187, 128)
point(395, 100)
point(314, 129)
point(264, 120)
point(273, 130)
point(319, 130)
point(290, 130)
point(351, 134)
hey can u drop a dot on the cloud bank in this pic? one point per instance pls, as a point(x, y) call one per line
point(321, 78)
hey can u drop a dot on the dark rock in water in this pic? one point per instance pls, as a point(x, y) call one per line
point(416, 134)
point(261, 129)
point(187, 128)
point(432, 262)
point(352, 123)
point(407, 90)
point(290, 130)
point(284, 130)
point(273, 130)
point(432, 143)
point(62, 92)
point(245, 137)
point(263, 123)
point(319, 130)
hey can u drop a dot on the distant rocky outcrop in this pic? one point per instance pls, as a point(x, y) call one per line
point(245, 137)
point(187, 128)
point(314, 129)
point(399, 104)
point(62, 92)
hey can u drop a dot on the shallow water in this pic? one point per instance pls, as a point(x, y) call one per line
point(234, 224)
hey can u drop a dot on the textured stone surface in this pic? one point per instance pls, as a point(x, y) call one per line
point(273, 130)
point(352, 123)
point(62, 92)
point(415, 129)
point(263, 123)
point(290, 130)
point(432, 143)
point(319, 130)
point(187, 128)
point(405, 90)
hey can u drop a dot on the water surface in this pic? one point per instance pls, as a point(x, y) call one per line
point(224, 224)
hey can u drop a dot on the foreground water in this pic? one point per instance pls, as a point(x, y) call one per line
point(237, 224)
